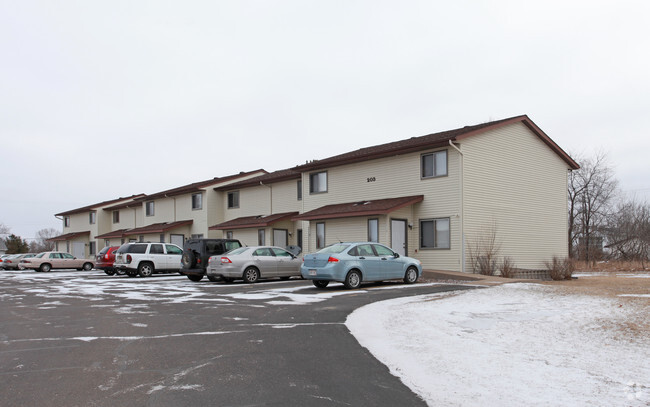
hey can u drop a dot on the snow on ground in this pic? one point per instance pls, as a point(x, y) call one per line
point(512, 345)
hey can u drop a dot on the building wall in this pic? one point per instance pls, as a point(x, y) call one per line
point(393, 177)
point(515, 186)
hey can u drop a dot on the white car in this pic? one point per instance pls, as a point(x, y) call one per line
point(144, 259)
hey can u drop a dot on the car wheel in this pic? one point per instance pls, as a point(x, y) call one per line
point(195, 277)
point(353, 279)
point(214, 279)
point(45, 267)
point(320, 283)
point(145, 269)
point(87, 266)
point(251, 275)
point(411, 275)
point(109, 272)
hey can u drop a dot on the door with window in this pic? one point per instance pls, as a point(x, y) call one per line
point(398, 236)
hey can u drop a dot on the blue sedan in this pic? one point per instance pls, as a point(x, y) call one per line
point(352, 263)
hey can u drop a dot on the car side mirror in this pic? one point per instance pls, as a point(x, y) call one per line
point(396, 255)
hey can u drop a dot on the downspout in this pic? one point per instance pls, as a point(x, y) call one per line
point(462, 207)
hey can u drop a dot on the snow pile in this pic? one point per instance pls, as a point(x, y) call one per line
point(512, 345)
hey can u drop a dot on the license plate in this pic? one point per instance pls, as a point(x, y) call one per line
point(312, 272)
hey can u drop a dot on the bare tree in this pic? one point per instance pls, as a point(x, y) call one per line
point(592, 190)
point(628, 231)
point(41, 243)
point(4, 229)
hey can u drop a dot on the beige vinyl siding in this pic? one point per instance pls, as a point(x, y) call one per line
point(247, 237)
point(394, 177)
point(163, 211)
point(285, 196)
point(253, 201)
point(199, 217)
point(516, 184)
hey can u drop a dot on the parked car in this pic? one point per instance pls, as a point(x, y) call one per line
point(252, 263)
point(197, 252)
point(144, 259)
point(352, 263)
point(105, 259)
point(13, 262)
point(47, 261)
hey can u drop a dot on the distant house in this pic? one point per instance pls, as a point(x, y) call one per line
point(432, 197)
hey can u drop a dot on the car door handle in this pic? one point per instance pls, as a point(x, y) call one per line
point(362, 258)
point(383, 258)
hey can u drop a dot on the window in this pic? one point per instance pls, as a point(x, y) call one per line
point(116, 216)
point(197, 201)
point(92, 248)
point(383, 250)
point(66, 221)
point(261, 237)
point(156, 249)
point(92, 217)
point(233, 199)
point(434, 164)
point(281, 253)
point(149, 208)
point(318, 182)
point(434, 234)
point(171, 249)
point(320, 235)
point(197, 236)
point(299, 187)
point(373, 230)
point(229, 234)
point(162, 238)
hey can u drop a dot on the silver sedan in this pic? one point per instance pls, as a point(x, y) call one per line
point(252, 263)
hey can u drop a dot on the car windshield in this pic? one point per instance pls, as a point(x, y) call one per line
point(335, 248)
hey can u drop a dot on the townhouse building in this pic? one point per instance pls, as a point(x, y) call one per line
point(438, 198)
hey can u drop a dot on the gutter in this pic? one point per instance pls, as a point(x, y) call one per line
point(462, 206)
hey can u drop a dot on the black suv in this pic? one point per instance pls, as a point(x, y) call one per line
point(197, 252)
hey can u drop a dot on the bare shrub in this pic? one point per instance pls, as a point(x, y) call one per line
point(483, 251)
point(507, 267)
point(560, 269)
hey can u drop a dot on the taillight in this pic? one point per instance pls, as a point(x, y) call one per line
point(198, 261)
point(106, 256)
point(332, 260)
point(225, 260)
point(128, 258)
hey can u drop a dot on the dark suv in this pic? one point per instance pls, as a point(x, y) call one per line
point(197, 252)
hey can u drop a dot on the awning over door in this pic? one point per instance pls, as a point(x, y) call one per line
point(360, 208)
point(69, 236)
point(260, 221)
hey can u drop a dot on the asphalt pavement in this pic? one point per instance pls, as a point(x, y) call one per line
point(72, 338)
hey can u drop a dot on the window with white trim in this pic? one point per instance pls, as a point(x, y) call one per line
point(116, 216)
point(92, 217)
point(435, 234)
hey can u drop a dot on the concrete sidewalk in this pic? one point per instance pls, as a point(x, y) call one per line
point(460, 277)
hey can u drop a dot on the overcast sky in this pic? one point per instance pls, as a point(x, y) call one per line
point(103, 99)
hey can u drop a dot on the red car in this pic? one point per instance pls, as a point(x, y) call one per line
point(105, 259)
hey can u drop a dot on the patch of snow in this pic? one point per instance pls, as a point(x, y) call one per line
point(515, 344)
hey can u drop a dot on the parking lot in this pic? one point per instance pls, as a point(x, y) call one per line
point(78, 338)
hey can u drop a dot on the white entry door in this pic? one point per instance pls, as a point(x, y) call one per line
point(78, 250)
point(398, 236)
